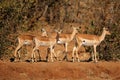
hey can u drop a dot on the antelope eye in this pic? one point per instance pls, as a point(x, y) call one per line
point(106, 29)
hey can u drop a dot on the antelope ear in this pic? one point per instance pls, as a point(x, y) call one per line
point(104, 28)
point(79, 27)
point(71, 26)
point(74, 27)
point(42, 30)
point(108, 28)
point(60, 31)
point(56, 30)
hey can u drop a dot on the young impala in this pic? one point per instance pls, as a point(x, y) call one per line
point(88, 40)
point(25, 40)
point(65, 38)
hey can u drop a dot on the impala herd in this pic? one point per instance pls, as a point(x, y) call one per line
point(59, 38)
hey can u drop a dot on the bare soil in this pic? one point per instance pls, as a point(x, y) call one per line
point(60, 70)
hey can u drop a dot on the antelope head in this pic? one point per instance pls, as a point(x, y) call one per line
point(106, 31)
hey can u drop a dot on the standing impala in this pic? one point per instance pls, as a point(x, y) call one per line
point(65, 38)
point(55, 35)
point(26, 40)
point(88, 40)
point(44, 41)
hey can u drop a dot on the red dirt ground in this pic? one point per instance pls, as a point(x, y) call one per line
point(59, 70)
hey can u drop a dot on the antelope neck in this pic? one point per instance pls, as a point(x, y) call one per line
point(72, 35)
point(102, 37)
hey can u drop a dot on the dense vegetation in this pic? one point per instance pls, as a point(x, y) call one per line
point(18, 16)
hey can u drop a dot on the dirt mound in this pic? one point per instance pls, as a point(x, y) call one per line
point(59, 70)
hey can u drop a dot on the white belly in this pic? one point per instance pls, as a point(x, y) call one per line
point(27, 43)
point(44, 44)
point(86, 42)
point(60, 42)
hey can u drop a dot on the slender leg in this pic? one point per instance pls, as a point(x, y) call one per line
point(55, 56)
point(77, 56)
point(66, 47)
point(16, 51)
point(77, 49)
point(33, 54)
point(48, 52)
point(51, 53)
point(95, 53)
point(19, 55)
point(39, 54)
point(29, 50)
point(66, 50)
point(73, 53)
point(36, 50)
point(93, 58)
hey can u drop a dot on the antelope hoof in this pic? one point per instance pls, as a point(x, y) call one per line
point(52, 60)
point(78, 60)
point(32, 60)
point(73, 59)
point(96, 61)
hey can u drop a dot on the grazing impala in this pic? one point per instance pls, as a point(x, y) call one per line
point(88, 40)
point(66, 38)
point(25, 40)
